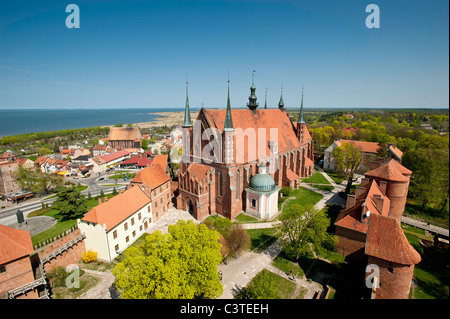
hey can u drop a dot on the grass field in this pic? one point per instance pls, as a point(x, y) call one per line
point(62, 225)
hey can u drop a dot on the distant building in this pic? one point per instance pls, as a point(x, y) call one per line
point(124, 137)
point(115, 224)
point(369, 152)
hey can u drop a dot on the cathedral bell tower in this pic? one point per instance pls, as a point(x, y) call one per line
point(301, 125)
point(187, 131)
point(228, 133)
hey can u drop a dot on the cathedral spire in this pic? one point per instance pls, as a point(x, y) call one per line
point(265, 101)
point(187, 114)
point(252, 104)
point(281, 103)
point(300, 116)
point(228, 120)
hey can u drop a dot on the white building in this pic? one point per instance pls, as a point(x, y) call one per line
point(115, 224)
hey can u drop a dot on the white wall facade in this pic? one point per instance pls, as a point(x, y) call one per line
point(109, 243)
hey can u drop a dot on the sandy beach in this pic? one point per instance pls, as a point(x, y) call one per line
point(166, 118)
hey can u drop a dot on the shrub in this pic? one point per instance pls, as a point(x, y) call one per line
point(222, 225)
point(286, 191)
point(89, 256)
point(238, 240)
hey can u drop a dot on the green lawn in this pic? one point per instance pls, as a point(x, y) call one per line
point(303, 196)
point(60, 226)
point(335, 177)
point(262, 238)
point(317, 178)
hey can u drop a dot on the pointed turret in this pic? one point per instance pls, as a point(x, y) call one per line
point(252, 104)
point(300, 116)
point(187, 114)
point(281, 103)
point(228, 133)
point(265, 101)
point(228, 120)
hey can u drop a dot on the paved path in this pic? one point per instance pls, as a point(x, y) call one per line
point(237, 273)
point(105, 289)
point(422, 225)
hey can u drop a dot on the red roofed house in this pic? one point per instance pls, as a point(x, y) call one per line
point(116, 223)
point(216, 182)
point(124, 137)
point(369, 152)
point(369, 229)
point(115, 158)
point(155, 182)
point(18, 278)
point(138, 161)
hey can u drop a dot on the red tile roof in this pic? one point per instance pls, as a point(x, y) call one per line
point(118, 208)
point(138, 160)
point(291, 175)
point(198, 171)
point(115, 155)
point(264, 118)
point(396, 151)
point(14, 244)
point(153, 175)
point(351, 217)
point(367, 147)
point(392, 171)
point(124, 134)
point(386, 240)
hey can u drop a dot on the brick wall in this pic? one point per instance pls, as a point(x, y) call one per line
point(70, 256)
point(17, 273)
point(395, 279)
point(351, 243)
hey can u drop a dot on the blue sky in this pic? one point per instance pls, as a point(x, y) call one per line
point(137, 53)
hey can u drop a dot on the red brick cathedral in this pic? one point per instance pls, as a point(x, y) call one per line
point(225, 148)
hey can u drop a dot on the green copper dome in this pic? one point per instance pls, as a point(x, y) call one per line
point(262, 182)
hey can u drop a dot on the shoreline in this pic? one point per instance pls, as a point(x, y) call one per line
point(165, 119)
point(168, 118)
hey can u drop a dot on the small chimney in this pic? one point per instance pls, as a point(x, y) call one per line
point(359, 191)
point(383, 186)
point(379, 202)
point(351, 201)
point(120, 191)
point(364, 181)
point(99, 200)
point(105, 199)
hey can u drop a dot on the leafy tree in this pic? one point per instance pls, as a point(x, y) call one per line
point(348, 159)
point(430, 178)
point(144, 143)
point(302, 226)
point(179, 264)
point(263, 286)
point(44, 151)
point(70, 203)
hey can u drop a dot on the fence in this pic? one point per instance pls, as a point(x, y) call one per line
point(51, 240)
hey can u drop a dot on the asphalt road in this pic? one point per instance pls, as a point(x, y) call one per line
point(8, 215)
